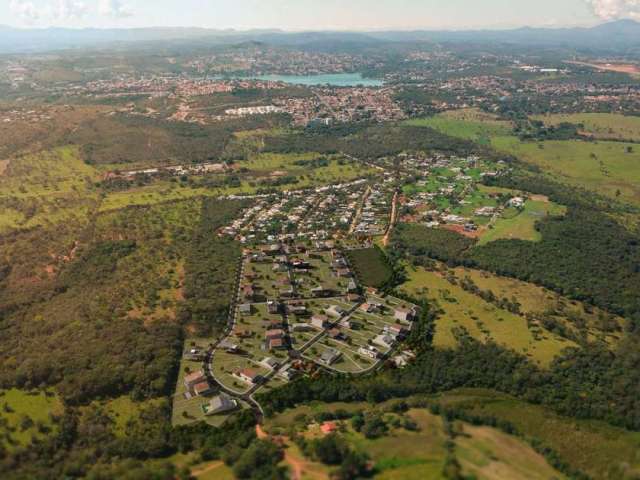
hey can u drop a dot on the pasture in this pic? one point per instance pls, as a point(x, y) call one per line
point(608, 168)
point(465, 312)
point(602, 126)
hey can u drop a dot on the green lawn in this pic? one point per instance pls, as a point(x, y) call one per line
point(520, 225)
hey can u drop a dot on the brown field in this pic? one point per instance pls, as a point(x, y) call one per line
point(3, 166)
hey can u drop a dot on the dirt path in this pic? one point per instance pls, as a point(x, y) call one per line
point(356, 218)
point(392, 219)
point(207, 469)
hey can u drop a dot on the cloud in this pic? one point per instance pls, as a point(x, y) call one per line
point(615, 9)
point(114, 9)
point(25, 10)
point(69, 9)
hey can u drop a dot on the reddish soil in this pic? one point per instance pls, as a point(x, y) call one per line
point(460, 229)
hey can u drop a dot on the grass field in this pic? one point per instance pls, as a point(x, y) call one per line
point(515, 224)
point(481, 320)
point(467, 124)
point(26, 415)
point(607, 168)
point(603, 126)
point(596, 448)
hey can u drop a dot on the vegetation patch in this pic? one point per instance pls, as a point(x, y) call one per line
point(371, 266)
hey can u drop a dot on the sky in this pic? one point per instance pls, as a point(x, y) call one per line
point(315, 14)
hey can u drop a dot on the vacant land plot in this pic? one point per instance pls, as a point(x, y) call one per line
point(464, 312)
point(608, 168)
point(603, 126)
point(320, 274)
point(520, 224)
point(370, 266)
point(476, 128)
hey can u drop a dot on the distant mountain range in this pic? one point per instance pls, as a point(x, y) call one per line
point(613, 35)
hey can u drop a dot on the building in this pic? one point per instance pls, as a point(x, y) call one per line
point(219, 404)
point(273, 307)
point(245, 309)
point(369, 352)
point(330, 356)
point(301, 327)
point(335, 311)
point(386, 341)
point(203, 388)
point(320, 321)
point(248, 376)
point(270, 363)
point(404, 314)
point(193, 378)
point(195, 355)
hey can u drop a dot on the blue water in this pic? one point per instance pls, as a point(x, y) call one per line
point(333, 79)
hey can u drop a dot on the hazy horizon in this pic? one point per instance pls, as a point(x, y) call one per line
point(305, 15)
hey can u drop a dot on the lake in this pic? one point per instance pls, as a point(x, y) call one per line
point(333, 79)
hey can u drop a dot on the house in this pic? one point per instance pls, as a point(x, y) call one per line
point(330, 356)
point(287, 373)
point(219, 404)
point(228, 346)
point(248, 376)
point(195, 355)
point(352, 286)
point(275, 333)
point(301, 327)
point(320, 291)
point(275, 344)
point(396, 331)
point(275, 324)
point(297, 309)
point(403, 359)
point(335, 311)
point(320, 321)
point(273, 307)
point(193, 378)
point(386, 341)
point(336, 334)
point(248, 292)
point(245, 309)
point(404, 314)
point(369, 351)
point(270, 363)
point(344, 273)
point(328, 427)
point(202, 389)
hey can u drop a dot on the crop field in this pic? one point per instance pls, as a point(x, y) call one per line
point(603, 126)
point(465, 312)
point(46, 188)
point(608, 168)
point(596, 448)
point(27, 415)
point(516, 224)
point(600, 325)
point(371, 266)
